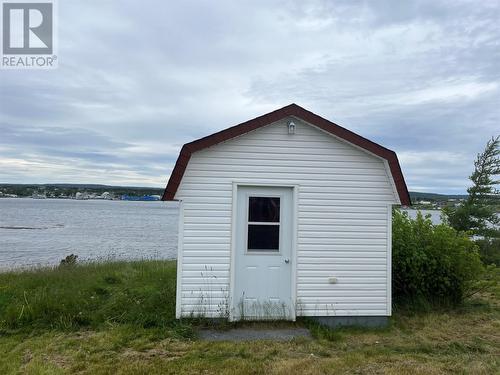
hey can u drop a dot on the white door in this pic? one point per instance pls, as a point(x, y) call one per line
point(263, 253)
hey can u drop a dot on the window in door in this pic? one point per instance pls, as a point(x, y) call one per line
point(263, 224)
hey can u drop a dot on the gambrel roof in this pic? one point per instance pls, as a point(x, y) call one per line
point(269, 118)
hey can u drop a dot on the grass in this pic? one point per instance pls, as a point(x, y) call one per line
point(118, 318)
point(92, 294)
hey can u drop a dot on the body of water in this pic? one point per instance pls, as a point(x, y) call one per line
point(435, 214)
point(44, 231)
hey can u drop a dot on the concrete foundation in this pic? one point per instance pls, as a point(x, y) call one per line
point(360, 321)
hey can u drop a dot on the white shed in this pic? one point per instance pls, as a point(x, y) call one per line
point(286, 215)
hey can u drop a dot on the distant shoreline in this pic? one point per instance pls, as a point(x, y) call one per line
point(88, 199)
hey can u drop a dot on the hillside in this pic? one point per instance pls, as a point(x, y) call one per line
point(434, 196)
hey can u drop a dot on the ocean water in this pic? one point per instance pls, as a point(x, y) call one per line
point(44, 231)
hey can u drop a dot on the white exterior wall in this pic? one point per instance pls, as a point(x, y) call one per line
point(344, 220)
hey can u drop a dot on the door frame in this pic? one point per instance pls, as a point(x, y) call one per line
point(293, 250)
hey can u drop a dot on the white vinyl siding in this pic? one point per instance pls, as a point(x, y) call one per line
point(344, 200)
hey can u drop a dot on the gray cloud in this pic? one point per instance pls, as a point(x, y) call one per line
point(136, 80)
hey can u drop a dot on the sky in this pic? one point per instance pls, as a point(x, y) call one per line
point(137, 79)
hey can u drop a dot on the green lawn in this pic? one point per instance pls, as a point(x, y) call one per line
point(118, 317)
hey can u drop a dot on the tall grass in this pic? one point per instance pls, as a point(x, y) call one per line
point(90, 294)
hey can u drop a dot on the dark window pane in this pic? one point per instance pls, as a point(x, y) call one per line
point(264, 209)
point(263, 237)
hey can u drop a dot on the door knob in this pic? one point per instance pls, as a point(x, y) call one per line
point(287, 260)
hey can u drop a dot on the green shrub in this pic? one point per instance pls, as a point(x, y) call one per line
point(69, 261)
point(431, 264)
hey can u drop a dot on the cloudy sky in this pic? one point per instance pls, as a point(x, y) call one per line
point(137, 79)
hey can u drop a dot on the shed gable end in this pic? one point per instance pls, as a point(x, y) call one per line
point(188, 149)
point(309, 157)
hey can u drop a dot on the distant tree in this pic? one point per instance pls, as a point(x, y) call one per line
point(478, 214)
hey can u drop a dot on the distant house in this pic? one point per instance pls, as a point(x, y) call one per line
point(424, 202)
point(286, 215)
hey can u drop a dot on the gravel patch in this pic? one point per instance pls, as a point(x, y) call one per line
point(247, 334)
